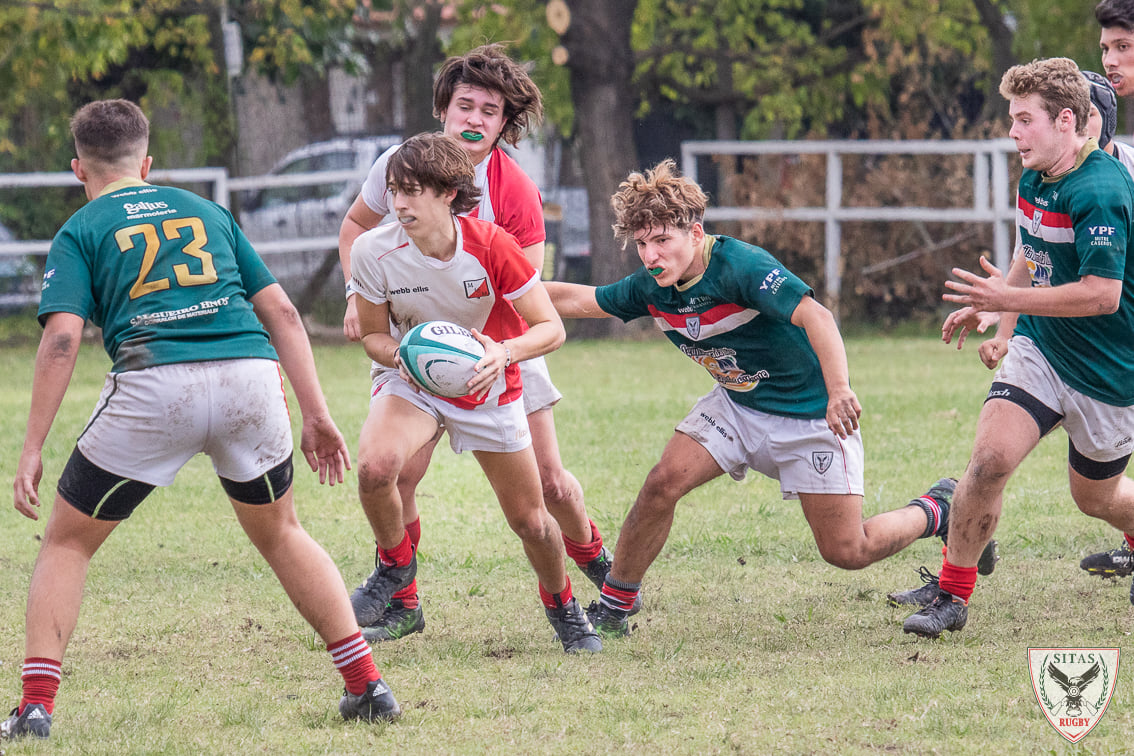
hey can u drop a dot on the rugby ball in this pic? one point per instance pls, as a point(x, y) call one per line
point(441, 356)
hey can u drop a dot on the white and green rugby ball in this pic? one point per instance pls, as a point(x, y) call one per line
point(441, 357)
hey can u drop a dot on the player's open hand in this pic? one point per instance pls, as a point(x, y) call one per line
point(964, 321)
point(489, 368)
point(324, 448)
point(29, 471)
point(843, 412)
point(988, 294)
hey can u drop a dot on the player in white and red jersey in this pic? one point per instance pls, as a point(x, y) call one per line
point(432, 265)
point(481, 98)
point(389, 268)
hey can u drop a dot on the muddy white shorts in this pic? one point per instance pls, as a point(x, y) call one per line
point(149, 423)
point(1099, 431)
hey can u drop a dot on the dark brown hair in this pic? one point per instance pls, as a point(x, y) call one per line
point(438, 162)
point(489, 68)
point(110, 130)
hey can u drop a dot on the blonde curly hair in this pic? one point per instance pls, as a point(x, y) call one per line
point(660, 198)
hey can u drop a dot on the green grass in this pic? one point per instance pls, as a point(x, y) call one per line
point(748, 643)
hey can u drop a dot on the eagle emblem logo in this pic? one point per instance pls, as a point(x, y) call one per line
point(1073, 686)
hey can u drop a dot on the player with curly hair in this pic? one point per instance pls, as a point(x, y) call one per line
point(783, 405)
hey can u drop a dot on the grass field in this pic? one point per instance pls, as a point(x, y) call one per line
point(748, 643)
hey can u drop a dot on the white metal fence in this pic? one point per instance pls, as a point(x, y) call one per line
point(992, 195)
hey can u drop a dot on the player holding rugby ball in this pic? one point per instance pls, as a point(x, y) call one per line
point(436, 264)
point(482, 98)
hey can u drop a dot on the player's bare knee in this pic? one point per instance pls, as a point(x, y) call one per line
point(533, 527)
point(846, 556)
point(988, 469)
point(1093, 505)
point(660, 489)
point(377, 473)
point(558, 488)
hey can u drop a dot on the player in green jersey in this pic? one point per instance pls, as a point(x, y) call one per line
point(783, 405)
point(1063, 341)
point(183, 302)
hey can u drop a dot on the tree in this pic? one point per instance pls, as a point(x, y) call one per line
point(167, 55)
point(409, 31)
point(596, 39)
point(588, 93)
point(58, 54)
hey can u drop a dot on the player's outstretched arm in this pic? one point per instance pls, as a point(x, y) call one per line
point(359, 219)
point(843, 409)
point(54, 364)
point(320, 441)
point(574, 300)
point(1087, 297)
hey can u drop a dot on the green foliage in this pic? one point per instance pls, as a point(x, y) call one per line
point(1050, 28)
point(285, 39)
point(58, 55)
point(781, 68)
point(765, 59)
point(166, 55)
point(522, 28)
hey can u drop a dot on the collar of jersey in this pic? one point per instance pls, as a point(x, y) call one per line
point(1091, 145)
point(122, 183)
point(706, 253)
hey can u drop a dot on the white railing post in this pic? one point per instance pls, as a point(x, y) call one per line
point(833, 242)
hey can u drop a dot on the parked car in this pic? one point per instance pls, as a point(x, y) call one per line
point(19, 279)
point(315, 209)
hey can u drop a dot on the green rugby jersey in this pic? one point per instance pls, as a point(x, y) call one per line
point(164, 273)
point(735, 321)
point(1076, 225)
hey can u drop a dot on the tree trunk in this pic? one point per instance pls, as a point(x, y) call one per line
point(1001, 37)
point(601, 63)
point(422, 54)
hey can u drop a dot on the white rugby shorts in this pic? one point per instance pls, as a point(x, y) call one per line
point(148, 423)
point(490, 427)
point(802, 454)
point(539, 392)
point(1099, 431)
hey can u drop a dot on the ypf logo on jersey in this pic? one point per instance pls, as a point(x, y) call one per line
point(1073, 686)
